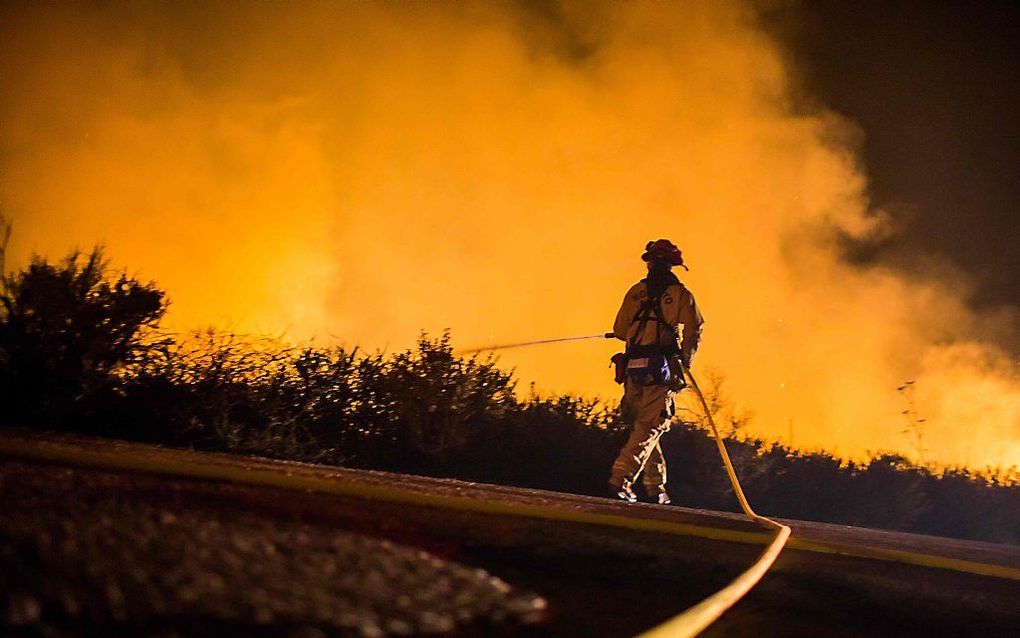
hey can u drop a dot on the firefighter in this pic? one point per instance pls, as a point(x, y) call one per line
point(649, 322)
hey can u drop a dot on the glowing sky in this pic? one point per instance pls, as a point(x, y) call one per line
point(361, 171)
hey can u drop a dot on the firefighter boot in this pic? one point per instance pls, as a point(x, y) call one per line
point(622, 492)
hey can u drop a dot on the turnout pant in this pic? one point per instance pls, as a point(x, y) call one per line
point(648, 409)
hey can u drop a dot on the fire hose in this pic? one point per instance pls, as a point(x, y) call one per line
point(696, 619)
point(507, 346)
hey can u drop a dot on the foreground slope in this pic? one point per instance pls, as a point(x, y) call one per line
point(120, 526)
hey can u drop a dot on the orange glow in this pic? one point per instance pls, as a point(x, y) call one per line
point(355, 173)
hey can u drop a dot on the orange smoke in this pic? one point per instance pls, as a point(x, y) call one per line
point(361, 172)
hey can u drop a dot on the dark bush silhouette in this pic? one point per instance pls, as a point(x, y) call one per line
point(79, 352)
point(64, 331)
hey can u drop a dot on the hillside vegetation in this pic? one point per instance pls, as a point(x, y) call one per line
point(81, 351)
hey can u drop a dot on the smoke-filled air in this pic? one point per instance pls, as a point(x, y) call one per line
point(358, 172)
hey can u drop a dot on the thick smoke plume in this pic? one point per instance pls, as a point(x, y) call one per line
point(357, 172)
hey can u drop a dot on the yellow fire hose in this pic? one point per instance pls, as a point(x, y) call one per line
point(694, 620)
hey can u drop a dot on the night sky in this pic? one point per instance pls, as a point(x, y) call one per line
point(934, 87)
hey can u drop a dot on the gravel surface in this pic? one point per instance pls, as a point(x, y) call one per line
point(88, 552)
point(80, 555)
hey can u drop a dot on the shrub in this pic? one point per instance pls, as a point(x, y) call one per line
point(65, 331)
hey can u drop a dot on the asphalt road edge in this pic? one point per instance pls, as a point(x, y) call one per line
point(170, 461)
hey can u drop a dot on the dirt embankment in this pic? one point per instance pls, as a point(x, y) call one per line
point(85, 552)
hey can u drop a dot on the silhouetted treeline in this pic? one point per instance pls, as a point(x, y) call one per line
point(80, 351)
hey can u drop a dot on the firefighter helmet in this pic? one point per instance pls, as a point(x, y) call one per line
point(665, 251)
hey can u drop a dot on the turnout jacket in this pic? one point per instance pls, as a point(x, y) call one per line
point(676, 308)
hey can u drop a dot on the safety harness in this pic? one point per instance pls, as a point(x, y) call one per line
point(649, 364)
point(651, 310)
